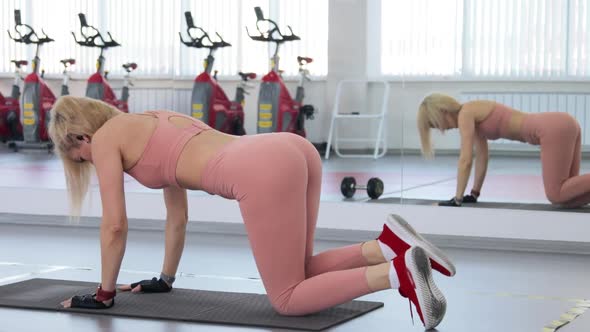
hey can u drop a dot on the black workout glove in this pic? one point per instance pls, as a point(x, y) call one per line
point(153, 286)
point(88, 301)
point(451, 202)
point(469, 199)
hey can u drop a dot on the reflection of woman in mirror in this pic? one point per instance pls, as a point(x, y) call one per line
point(478, 121)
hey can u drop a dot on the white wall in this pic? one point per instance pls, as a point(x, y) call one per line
point(352, 52)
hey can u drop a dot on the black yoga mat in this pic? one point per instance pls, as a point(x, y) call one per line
point(180, 305)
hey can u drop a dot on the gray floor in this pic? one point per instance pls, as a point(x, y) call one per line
point(510, 178)
point(492, 291)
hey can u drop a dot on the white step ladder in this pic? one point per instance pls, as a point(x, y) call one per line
point(380, 138)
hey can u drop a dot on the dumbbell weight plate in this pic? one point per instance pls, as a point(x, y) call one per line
point(375, 188)
point(348, 186)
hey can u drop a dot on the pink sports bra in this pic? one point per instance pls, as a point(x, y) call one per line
point(496, 124)
point(156, 167)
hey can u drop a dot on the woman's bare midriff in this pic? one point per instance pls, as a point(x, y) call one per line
point(138, 129)
point(515, 125)
point(196, 154)
point(484, 108)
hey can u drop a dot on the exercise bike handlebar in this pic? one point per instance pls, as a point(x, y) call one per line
point(30, 37)
point(268, 36)
point(203, 41)
point(90, 40)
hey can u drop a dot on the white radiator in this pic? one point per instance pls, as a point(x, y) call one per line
point(575, 103)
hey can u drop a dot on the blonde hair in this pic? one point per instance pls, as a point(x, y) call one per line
point(430, 114)
point(71, 117)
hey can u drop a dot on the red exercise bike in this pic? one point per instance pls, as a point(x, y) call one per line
point(37, 99)
point(10, 126)
point(209, 103)
point(277, 110)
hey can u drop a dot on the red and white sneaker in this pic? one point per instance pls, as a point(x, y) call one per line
point(398, 236)
point(416, 283)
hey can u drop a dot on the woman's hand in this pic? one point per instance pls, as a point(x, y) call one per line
point(87, 301)
point(100, 300)
point(451, 202)
point(147, 286)
point(472, 197)
point(469, 199)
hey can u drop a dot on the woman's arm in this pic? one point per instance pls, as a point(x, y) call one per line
point(176, 220)
point(106, 157)
point(466, 124)
point(481, 163)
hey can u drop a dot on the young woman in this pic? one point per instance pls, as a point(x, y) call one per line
point(168, 150)
point(478, 121)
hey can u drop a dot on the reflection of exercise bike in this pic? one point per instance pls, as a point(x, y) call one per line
point(209, 103)
point(98, 87)
point(37, 99)
point(65, 90)
point(277, 110)
point(10, 126)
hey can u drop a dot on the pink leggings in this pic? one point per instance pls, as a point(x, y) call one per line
point(276, 179)
point(559, 135)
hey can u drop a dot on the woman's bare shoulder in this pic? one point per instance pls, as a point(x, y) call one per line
point(478, 109)
point(114, 130)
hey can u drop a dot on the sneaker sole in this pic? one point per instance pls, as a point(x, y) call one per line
point(408, 234)
point(431, 300)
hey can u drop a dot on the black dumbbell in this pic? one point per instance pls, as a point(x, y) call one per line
point(374, 187)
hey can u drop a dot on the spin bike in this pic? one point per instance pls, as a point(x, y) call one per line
point(277, 110)
point(65, 90)
point(209, 103)
point(37, 99)
point(98, 86)
point(10, 126)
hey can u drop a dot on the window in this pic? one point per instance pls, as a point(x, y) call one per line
point(148, 33)
point(421, 37)
point(59, 20)
point(9, 50)
point(579, 41)
point(515, 38)
point(533, 39)
point(229, 18)
point(221, 16)
point(309, 20)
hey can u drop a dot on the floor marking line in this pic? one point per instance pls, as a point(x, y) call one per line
point(43, 265)
point(194, 275)
point(31, 274)
point(52, 268)
point(580, 308)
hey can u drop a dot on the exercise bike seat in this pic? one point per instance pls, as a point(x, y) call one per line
point(302, 59)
